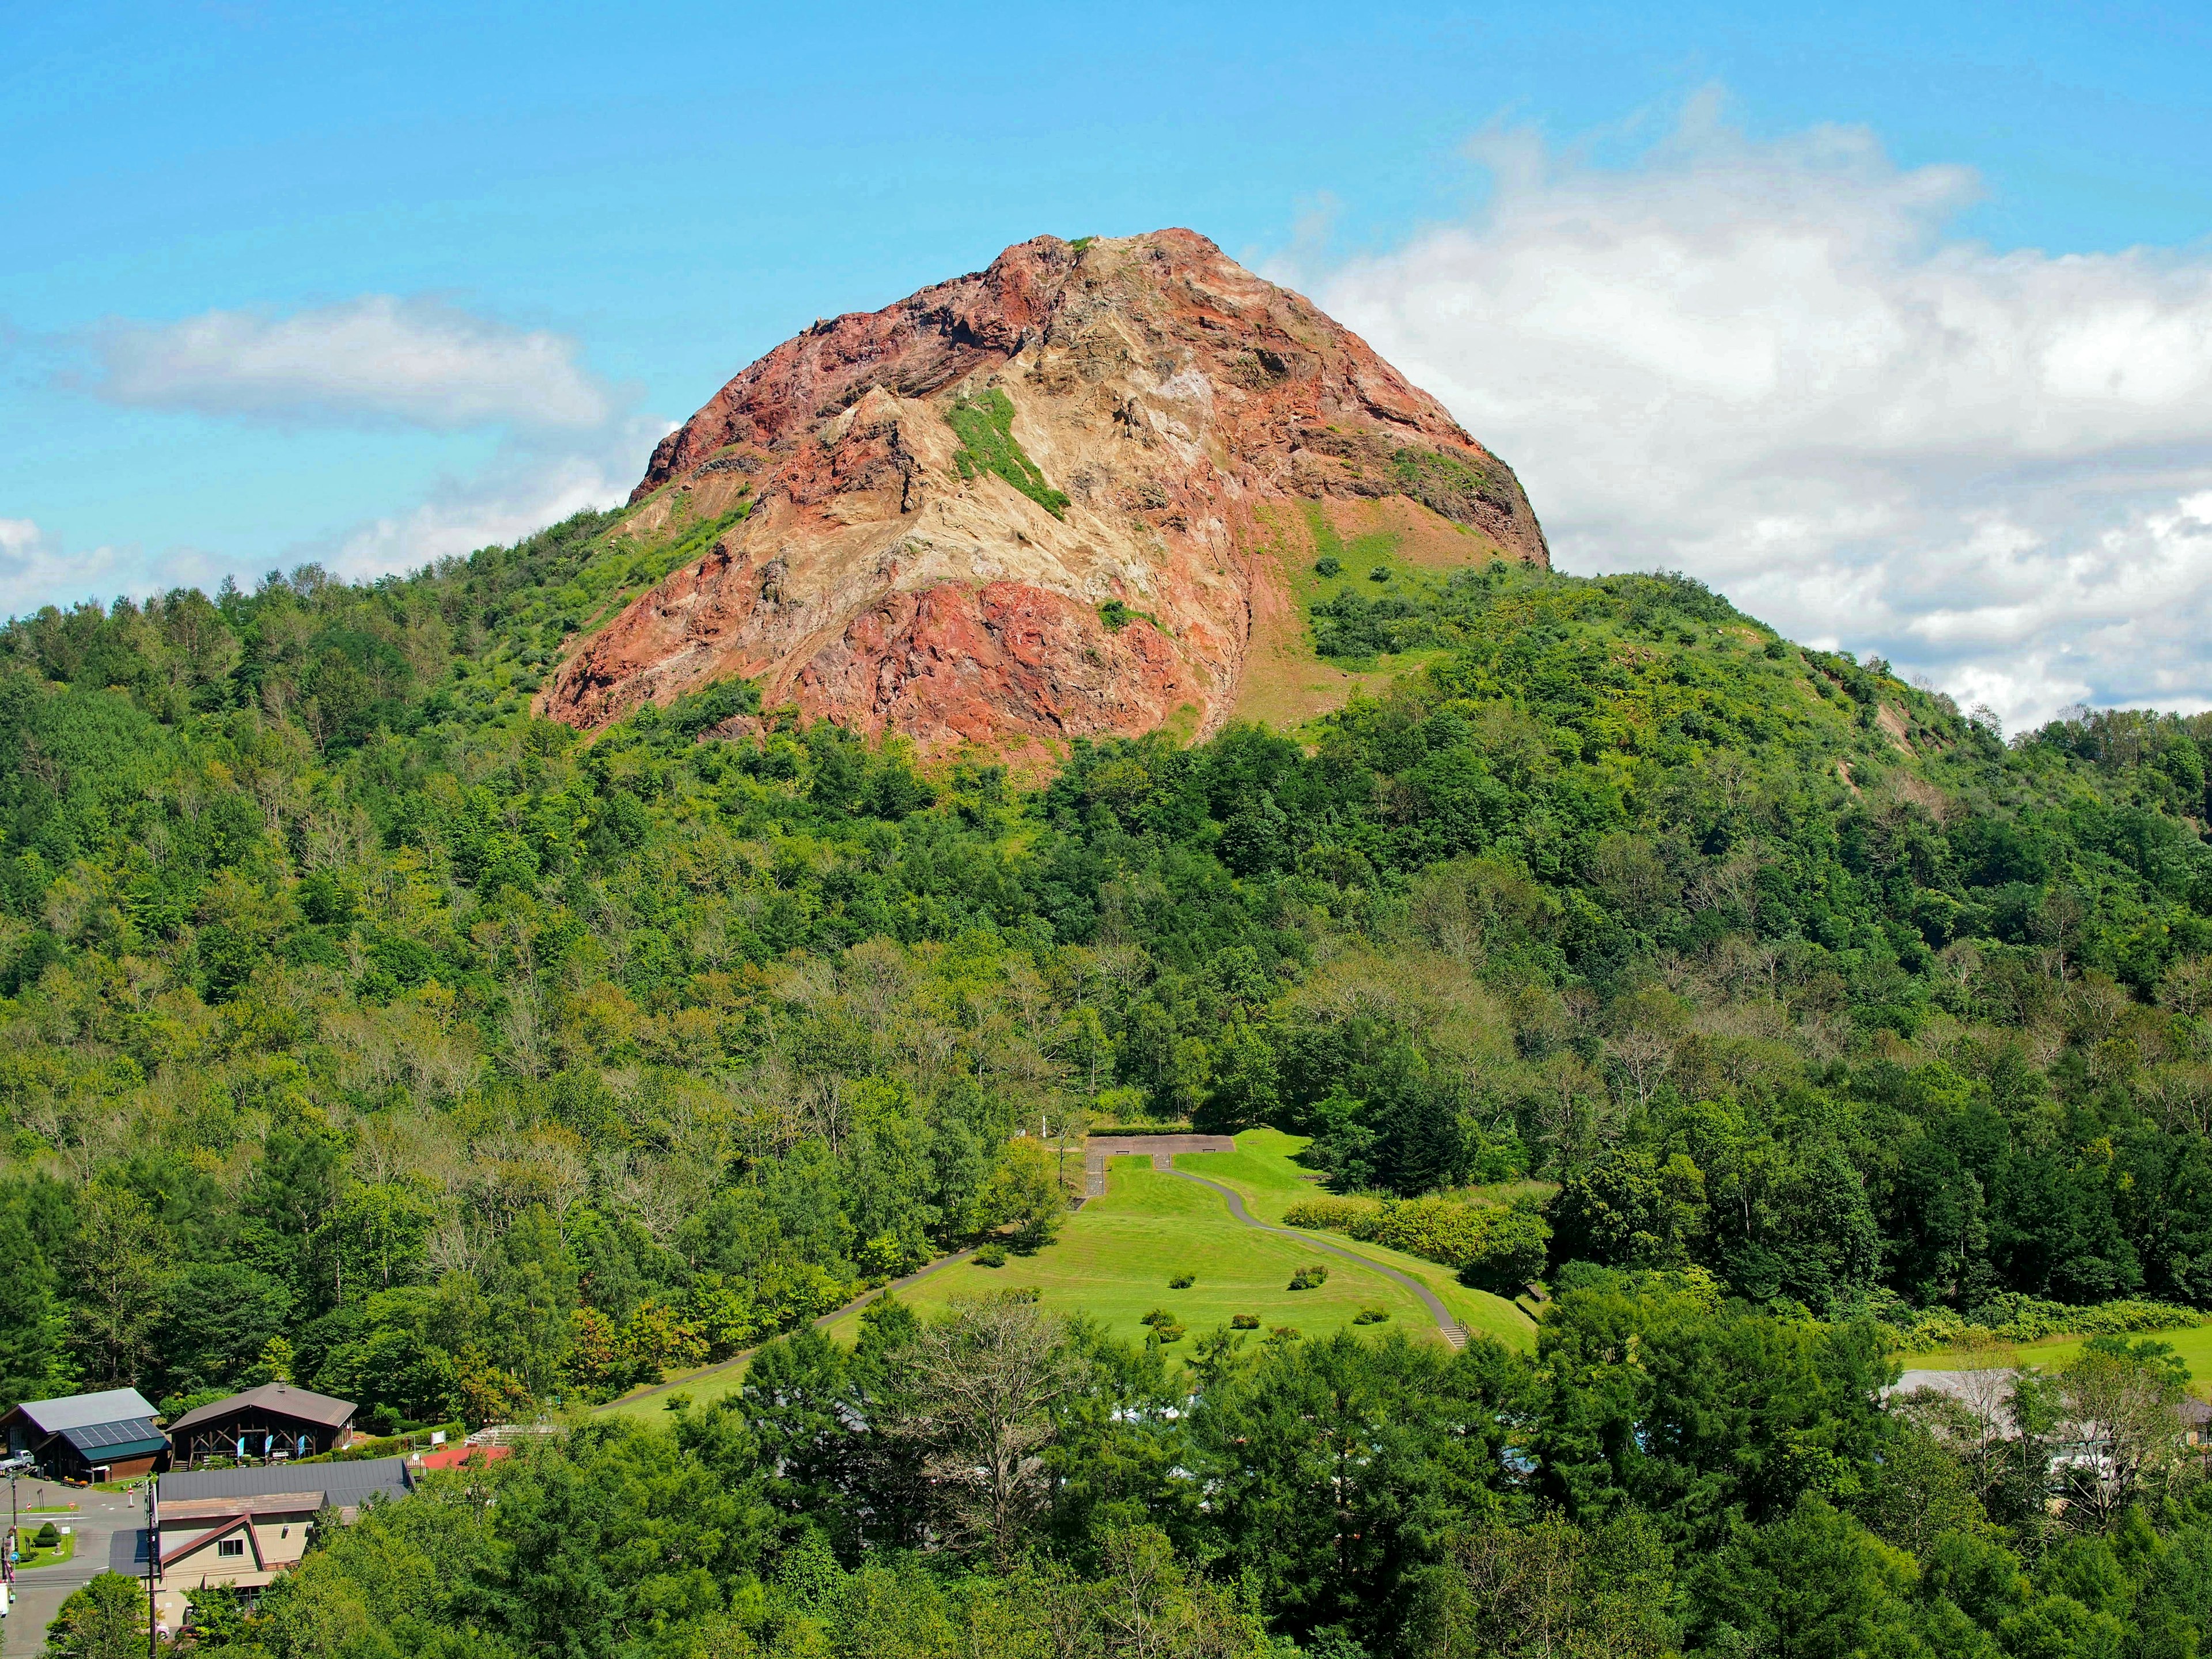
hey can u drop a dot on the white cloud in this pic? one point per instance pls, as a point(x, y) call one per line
point(35, 569)
point(518, 493)
point(1772, 365)
point(375, 360)
point(523, 489)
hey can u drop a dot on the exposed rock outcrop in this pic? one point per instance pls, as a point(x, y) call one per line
point(946, 495)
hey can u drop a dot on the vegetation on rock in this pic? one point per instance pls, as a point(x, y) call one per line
point(986, 428)
point(361, 1027)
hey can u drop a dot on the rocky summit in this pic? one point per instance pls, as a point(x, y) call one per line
point(1053, 499)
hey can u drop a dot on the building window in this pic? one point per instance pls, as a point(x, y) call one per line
point(230, 1546)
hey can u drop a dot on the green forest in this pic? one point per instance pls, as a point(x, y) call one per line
point(1764, 1015)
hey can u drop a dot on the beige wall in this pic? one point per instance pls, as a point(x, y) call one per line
point(282, 1540)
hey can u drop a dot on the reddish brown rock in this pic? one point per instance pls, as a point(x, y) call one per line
point(1184, 406)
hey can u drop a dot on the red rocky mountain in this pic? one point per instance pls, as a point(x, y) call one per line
point(947, 499)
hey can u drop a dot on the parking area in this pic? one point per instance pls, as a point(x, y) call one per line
point(97, 1519)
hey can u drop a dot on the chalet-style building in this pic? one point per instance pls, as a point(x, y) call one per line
point(274, 1422)
point(110, 1436)
point(244, 1527)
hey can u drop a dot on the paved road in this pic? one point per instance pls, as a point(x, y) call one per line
point(1453, 1332)
point(40, 1592)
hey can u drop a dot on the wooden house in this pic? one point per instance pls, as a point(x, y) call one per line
point(274, 1423)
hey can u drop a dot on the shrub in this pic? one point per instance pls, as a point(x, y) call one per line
point(1181, 1282)
point(1369, 1316)
point(991, 1255)
point(2010, 1316)
point(1333, 1215)
point(1491, 1246)
point(1380, 574)
point(48, 1536)
point(1243, 1321)
point(1328, 565)
point(1309, 1277)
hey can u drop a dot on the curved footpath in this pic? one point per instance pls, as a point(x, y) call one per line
point(1453, 1332)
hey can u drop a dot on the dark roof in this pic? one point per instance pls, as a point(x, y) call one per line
point(303, 1403)
point(81, 1411)
point(343, 1484)
point(133, 1437)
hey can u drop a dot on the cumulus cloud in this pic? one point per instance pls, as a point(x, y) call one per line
point(568, 441)
point(518, 493)
point(375, 360)
point(1775, 365)
point(36, 569)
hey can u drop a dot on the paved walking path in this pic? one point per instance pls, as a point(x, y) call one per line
point(1453, 1332)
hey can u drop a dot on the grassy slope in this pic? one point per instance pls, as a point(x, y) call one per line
point(1284, 682)
point(1114, 1257)
point(1262, 1169)
point(2193, 1344)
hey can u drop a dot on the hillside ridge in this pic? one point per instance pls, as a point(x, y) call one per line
point(1034, 502)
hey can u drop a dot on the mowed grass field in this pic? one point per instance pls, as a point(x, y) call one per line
point(2193, 1344)
point(1264, 1171)
point(1114, 1256)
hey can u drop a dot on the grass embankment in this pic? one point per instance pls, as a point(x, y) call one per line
point(1263, 1170)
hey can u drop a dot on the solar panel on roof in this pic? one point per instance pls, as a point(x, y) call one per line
point(129, 1438)
point(113, 1434)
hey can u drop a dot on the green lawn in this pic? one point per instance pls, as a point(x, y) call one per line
point(1114, 1256)
point(2193, 1344)
point(35, 1557)
point(1264, 1170)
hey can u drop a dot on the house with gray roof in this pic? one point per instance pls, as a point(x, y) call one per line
point(110, 1436)
point(243, 1528)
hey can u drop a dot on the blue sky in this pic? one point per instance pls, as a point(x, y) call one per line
point(606, 211)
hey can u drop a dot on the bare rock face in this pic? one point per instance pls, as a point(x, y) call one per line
point(947, 497)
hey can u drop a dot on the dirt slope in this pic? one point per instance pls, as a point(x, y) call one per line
point(946, 497)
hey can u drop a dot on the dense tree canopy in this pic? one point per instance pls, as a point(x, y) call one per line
point(365, 1029)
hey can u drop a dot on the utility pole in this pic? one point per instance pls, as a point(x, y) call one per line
point(153, 1555)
